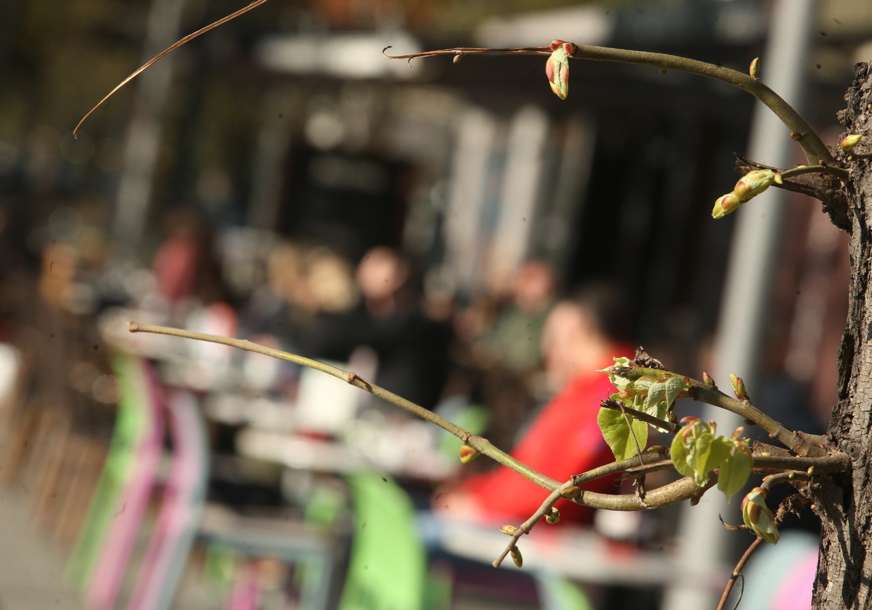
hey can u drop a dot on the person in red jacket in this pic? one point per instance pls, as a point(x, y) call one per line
point(581, 335)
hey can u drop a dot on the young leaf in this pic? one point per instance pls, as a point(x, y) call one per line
point(675, 386)
point(679, 452)
point(757, 516)
point(557, 68)
point(619, 436)
point(655, 401)
point(736, 468)
point(702, 456)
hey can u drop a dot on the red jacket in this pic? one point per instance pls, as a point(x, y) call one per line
point(565, 439)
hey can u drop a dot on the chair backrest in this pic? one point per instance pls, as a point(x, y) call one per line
point(142, 393)
point(387, 567)
point(559, 593)
point(133, 424)
point(178, 519)
point(326, 404)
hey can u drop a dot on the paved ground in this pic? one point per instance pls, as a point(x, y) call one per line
point(31, 564)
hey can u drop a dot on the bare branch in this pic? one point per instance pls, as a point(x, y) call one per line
point(160, 55)
point(800, 130)
point(737, 571)
point(676, 491)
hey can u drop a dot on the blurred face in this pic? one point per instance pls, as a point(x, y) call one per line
point(380, 274)
point(533, 286)
point(570, 343)
point(559, 339)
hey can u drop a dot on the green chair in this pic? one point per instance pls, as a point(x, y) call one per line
point(558, 593)
point(133, 422)
point(387, 567)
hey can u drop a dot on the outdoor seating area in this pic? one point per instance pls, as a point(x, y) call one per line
point(460, 265)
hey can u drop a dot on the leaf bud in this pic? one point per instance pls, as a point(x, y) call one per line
point(557, 67)
point(754, 68)
point(850, 141)
point(753, 183)
point(517, 557)
point(725, 205)
point(738, 386)
point(553, 516)
point(757, 516)
point(509, 530)
point(467, 454)
point(707, 379)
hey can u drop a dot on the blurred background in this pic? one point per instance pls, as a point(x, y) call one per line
point(428, 225)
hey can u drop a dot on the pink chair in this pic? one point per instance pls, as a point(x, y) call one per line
point(179, 516)
point(115, 553)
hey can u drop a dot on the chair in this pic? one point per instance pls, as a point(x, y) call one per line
point(117, 548)
point(388, 564)
point(183, 499)
point(106, 541)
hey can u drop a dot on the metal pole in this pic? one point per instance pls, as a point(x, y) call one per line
point(142, 145)
point(703, 544)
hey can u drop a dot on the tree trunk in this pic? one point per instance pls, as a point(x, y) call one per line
point(844, 575)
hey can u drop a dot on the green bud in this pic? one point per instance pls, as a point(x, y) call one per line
point(557, 67)
point(850, 141)
point(553, 516)
point(753, 183)
point(725, 205)
point(517, 557)
point(467, 454)
point(757, 516)
point(754, 68)
point(738, 386)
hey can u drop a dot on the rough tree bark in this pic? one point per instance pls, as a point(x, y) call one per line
point(844, 575)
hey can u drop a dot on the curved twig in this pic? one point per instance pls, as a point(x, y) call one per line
point(737, 571)
point(160, 55)
point(800, 130)
point(676, 491)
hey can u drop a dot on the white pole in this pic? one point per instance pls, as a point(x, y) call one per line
point(703, 544)
point(142, 145)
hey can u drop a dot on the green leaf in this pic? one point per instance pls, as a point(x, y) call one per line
point(735, 469)
point(655, 401)
point(701, 454)
point(619, 435)
point(696, 451)
point(679, 452)
point(661, 395)
point(674, 387)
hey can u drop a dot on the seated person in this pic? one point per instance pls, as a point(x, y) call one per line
point(581, 335)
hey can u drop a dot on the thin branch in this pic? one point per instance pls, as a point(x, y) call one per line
point(834, 462)
point(679, 490)
point(731, 527)
point(662, 424)
point(837, 462)
point(800, 130)
point(839, 172)
point(570, 491)
point(783, 477)
point(832, 198)
point(160, 55)
point(737, 571)
point(528, 525)
point(789, 438)
point(619, 466)
point(480, 444)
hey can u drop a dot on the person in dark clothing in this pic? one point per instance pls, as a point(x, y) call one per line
point(411, 347)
